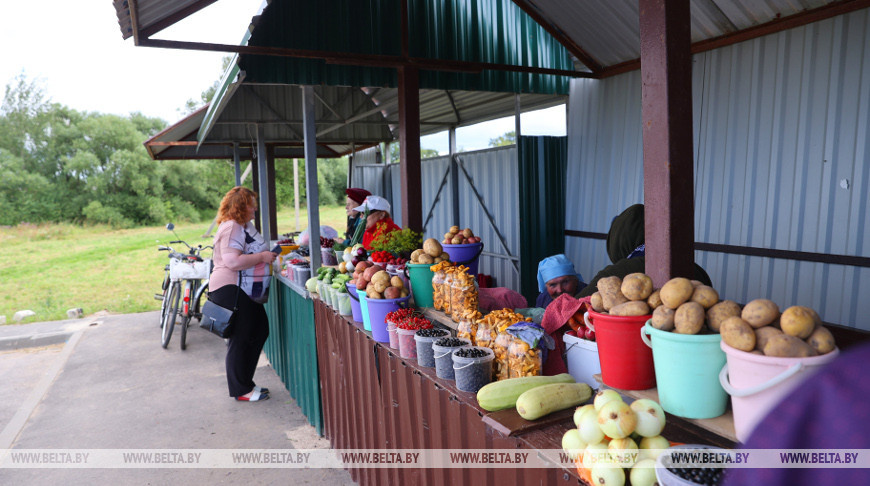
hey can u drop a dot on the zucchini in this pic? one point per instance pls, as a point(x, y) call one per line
point(503, 394)
point(547, 399)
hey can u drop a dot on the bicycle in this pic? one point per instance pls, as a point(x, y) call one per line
point(184, 284)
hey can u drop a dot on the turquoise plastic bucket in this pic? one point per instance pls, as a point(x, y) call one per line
point(687, 370)
point(420, 276)
point(364, 310)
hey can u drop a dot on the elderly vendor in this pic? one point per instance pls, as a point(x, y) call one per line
point(556, 276)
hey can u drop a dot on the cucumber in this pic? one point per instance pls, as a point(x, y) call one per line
point(546, 399)
point(503, 394)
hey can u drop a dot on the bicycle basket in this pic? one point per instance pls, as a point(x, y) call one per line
point(189, 270)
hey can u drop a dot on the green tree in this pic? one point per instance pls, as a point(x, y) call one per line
point(509, 138)
point(424, 153)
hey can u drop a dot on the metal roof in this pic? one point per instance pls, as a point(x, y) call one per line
point(602, 36)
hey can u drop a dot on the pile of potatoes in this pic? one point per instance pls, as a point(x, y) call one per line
point(430, 254)
point(759, 328)
point(681, 305)
point(377, 282)
point(455, 236)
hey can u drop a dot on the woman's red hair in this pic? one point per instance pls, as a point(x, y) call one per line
point(235, 203)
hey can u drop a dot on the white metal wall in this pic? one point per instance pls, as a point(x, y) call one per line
point(781, 124)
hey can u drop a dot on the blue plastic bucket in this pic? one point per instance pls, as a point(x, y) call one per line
point(468, 255)
point(355, 306)
point(364, 309)
point(687, 370)
point(378, 310)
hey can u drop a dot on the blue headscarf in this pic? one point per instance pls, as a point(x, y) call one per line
point(554, 267)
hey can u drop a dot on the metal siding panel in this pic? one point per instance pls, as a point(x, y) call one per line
point(780, 121)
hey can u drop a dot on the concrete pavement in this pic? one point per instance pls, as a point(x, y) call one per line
point(105, 383)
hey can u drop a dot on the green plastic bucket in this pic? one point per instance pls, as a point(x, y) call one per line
point(687, 370)
point(364, 309)
point(420, 276)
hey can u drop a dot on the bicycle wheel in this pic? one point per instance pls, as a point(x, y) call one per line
point(171, 312)
point(185, 316)
point(165, 304)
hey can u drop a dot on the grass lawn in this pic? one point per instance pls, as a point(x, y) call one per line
point(51, 268)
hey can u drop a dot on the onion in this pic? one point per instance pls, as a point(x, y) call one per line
point(643, 473)
point(573, 444)
point(590, 431)
point(595, 454)
point(623, 451)
point(605, 396)
point(650, 417)
point(579, 411)
point(652, 447)
point(616, 419)
point(607, 476)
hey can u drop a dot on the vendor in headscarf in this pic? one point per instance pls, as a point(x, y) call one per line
point(378, 221)
point(355, 197)
point(626, 249)
point(556, 276)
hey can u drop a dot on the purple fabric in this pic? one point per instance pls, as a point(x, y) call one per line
point(543, 300)
point(829, 411)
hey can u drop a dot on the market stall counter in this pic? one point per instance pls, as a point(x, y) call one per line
point(375, 399)
point(291, 347)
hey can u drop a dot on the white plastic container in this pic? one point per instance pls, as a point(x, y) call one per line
point(581, 356)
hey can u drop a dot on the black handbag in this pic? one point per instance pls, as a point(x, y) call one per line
point(217, 319)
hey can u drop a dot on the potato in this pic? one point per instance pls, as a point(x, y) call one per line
point(432, 247)
point(611, 295)
point(636, 286)
point(676, 291)
point(425, 258)
point(597, 303)
point(738, 334)
point(467, 233)
point(706, 296)
point(760, 312)
point(763, 334)
point(689, 318)
point(371, 293)
point(457, 240)
point(448, 236)
point(663, 318)
point(392, 293)
point(396, 281)
point(786, 346)
point(630, 308)
point(380, 286)
point(445, 256)
point(756, 351)
point(696, 283)
point(415, 255)
point(798, 321)
point(717, 314)
point(404, 292)
point(454, 229)
point(822, 340)
point(655, 299)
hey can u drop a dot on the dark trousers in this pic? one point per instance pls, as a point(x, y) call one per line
point(250, 330)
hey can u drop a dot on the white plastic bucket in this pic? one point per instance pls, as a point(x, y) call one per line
point(582, 358)
point(757, 383)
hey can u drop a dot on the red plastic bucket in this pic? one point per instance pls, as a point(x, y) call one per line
point(626, 361)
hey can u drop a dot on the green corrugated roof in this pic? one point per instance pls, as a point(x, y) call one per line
point(487, 31)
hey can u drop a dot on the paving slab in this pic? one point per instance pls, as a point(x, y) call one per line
point(111, 385)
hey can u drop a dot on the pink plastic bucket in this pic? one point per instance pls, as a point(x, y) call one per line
point(757, 383)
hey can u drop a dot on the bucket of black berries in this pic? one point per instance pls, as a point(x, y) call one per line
point(424, 339)
point(472, 368)
point(691, 464)
point(442, 350)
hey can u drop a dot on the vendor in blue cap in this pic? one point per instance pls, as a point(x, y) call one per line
point(556, 276)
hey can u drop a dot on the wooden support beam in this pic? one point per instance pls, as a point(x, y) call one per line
point(666, 75)
point(409, 148)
